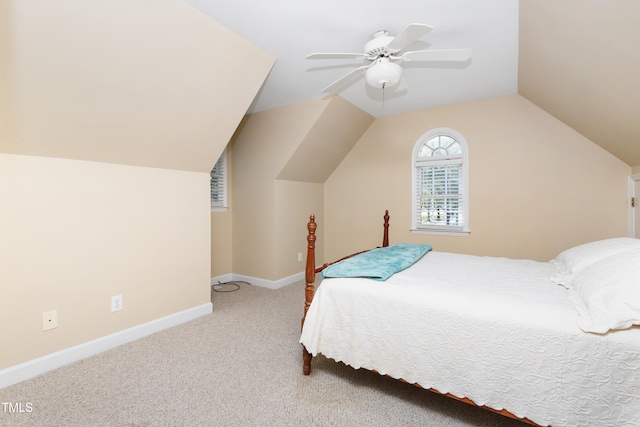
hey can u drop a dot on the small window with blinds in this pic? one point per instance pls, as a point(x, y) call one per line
point(218, 181)
point(440, 183)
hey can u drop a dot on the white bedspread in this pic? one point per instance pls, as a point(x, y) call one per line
point(494, 330)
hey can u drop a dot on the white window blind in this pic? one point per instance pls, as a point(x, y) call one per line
point(439, 195)
point(218, 181)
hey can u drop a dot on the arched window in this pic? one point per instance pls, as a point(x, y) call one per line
point(440, 196)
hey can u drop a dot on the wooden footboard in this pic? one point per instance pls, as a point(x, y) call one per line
point(310, 276)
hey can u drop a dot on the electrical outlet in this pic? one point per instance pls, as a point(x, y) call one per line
point(299, 256)
point(49, 320)
point(116, 303)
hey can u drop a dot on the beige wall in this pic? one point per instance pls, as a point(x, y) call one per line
point(294, 202)
point(75, 233)
point(261, 147)
point(112, 114)
point(536, 186)
point(276, 186)
point(5, 68)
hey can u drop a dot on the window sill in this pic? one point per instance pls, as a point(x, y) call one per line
point(440, 232)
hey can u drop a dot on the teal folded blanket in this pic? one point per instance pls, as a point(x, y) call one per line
point(380, 263)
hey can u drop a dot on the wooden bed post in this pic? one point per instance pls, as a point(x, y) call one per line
point(309, 289)
point(310, 276)
point(385, 237)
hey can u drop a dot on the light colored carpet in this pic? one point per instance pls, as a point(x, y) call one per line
point(240, 366)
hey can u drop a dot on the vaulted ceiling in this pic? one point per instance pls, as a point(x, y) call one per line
point(578, 60)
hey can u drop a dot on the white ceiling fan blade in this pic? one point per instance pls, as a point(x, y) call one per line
point(437, 55)
point(346, 79)
point(407, 36)
point(336, 56)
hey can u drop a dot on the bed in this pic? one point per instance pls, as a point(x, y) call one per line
point(550, 343)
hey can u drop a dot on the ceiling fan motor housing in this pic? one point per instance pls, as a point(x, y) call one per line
point(377, 46)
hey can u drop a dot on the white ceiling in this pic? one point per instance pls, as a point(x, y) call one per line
point(292, 29)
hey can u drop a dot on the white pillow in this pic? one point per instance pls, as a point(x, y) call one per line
point(606, 294)
point(575, 259)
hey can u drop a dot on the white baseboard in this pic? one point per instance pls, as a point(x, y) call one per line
point(256, 281)
point(35, 367)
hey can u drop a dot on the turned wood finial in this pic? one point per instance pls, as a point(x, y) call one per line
point(385, 237)
point(311, 227)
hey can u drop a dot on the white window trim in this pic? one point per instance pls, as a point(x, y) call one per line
point(441, 230)
point(225, 205)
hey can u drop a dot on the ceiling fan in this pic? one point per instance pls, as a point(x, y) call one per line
point(383, 52)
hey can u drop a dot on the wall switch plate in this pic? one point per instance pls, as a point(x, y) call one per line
point(299, 256)
point(49, 320)
point(116, 303)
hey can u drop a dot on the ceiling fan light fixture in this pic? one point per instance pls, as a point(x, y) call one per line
point(383, 73)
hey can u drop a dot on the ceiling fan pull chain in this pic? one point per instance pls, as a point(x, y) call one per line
point(383, 85)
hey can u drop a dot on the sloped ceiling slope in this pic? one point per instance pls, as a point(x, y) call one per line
point(137, 82)
point(331, 137)
point(580, 62)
